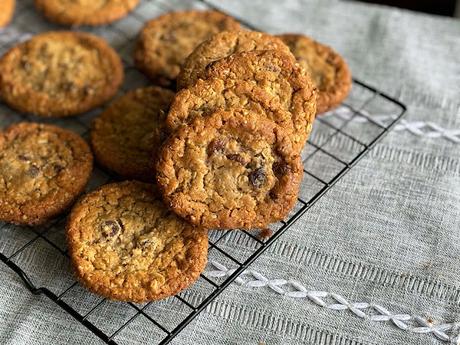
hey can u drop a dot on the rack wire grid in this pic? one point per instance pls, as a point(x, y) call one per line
point(39, 256)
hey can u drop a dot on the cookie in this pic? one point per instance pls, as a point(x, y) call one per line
point(85, 12)
point(57, 74)
point(222, 45)
point(124, 244)
point(233, 169)
point(126, 136)
point(166, 41)
point(207, 96)
point(43, 169)
point(6, 12)
point(278, 74)
point(328, 69)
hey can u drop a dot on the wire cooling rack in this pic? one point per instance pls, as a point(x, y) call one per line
point(39, 255)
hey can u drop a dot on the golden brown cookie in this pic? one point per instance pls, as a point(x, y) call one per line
point(166, 41)
point(43, 169)
point(85, 12)
point(328, 69)
point(280, 77)
point(126, 245)
point(223, 45)
point(210, 95)
point(233, 169)
point(6, 11)
point(126, 136)
point(60, 74)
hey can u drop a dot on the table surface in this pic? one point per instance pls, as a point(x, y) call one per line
point(380, 249)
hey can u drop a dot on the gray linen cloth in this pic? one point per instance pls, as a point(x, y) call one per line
point(383, 242)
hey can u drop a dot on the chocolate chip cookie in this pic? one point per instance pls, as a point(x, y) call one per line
point(166, 41)
point(60, 74)
point(279, 76)
point(233, 169)
point(85, 12)
point(328, 69)
point(222, 45)
point(127, 135)
point(126, 245)
point(6, 11)
point(43, 169)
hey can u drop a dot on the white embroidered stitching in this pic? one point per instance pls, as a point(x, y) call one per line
point(376, 313)
point(419, 128)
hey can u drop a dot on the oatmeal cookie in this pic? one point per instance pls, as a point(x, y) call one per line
point(85, 12)
point(6, 11)
point(43, 169)
point(233, 169)
point(58, 74)
point(127, 135)
point(166, 41)
point(280, 77)
point(328, 69)
point(223, 45)
point(124, 244)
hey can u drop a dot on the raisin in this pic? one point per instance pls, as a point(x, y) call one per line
point(217, 145)
point(58, 168)
point(88, 91)
point(280, 168)
point(111, 227)
point(24, 158)
point(236, 157)
point(257, 177)
point(33, 171)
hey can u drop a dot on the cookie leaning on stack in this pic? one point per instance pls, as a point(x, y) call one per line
point(233, 158)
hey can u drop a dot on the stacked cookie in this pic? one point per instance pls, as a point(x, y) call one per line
point(223, 152)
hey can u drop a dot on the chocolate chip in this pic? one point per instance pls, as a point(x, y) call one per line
point(257, 177)
point(110, 228)
point(217, 145)
point(33, 171)
point(280, 168)
point(236, 157)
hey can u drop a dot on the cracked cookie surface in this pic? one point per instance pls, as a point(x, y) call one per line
point(328, 69)
point(281, 78)
point(210, 95)
point(126, 136)
point(60, 74)
point(166, 41)
point(233, 169)
point(85, 12)
point(6, 11)
point(126, 245)
point(221, 46)
point(43, 169)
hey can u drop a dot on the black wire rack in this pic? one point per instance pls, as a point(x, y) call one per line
point(39, 255)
